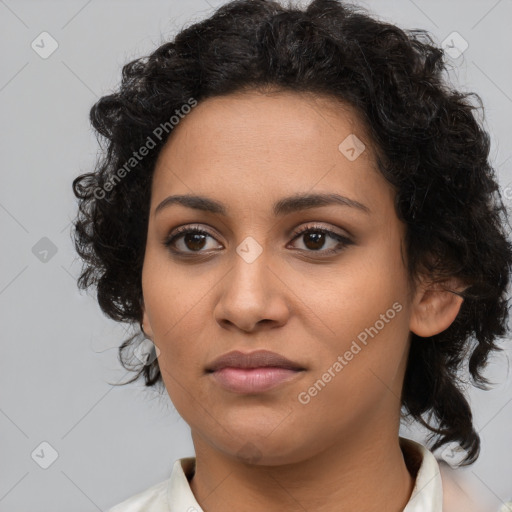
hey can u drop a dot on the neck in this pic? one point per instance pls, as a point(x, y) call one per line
point(365, 473)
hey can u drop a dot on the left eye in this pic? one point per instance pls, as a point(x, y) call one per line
point(194, 239)
point(315, 236)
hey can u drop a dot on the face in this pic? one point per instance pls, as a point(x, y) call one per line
point(325, 285)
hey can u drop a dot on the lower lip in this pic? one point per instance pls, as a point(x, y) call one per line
point(253, 380)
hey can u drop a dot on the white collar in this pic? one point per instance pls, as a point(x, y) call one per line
point(427, 494)
point(175, 495)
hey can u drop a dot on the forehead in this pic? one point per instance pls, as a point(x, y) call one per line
point(269, 143)
point(298, 119)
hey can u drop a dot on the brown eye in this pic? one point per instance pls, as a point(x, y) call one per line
point(193, 240)
point(315, 238)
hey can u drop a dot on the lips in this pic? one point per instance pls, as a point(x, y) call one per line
point(253, 373)
point(257, 359)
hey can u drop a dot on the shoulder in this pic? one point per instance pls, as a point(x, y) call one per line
point(457, 492)
point(438, 486)
point(153, 499)
point(175, 492)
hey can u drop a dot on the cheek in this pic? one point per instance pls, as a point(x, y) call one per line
point(364, 311)
point(356, 295)
point(174, 304)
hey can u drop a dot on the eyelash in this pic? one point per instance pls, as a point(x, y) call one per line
point(184, 230)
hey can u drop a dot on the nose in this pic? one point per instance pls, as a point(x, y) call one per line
point(252, 297)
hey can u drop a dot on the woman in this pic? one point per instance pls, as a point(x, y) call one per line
point(300, 214)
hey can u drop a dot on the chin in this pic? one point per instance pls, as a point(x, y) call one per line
point(264, 450)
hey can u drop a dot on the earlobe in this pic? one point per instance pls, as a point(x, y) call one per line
point(435, 307)
point(145, 325)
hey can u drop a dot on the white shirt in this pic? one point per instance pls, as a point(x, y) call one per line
point(175, 495)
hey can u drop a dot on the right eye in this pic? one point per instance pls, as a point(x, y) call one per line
point(191, 237)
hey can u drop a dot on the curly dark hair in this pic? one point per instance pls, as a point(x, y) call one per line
point(430, 146)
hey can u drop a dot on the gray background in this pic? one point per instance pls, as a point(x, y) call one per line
point(59, 352)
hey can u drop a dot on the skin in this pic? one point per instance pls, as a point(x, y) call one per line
point(459, 491)
point(268, 451)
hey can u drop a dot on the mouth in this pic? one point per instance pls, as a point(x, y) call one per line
point(253, 380)
point(253, 372)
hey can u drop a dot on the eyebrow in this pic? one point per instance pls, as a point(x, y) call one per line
point(284, 206)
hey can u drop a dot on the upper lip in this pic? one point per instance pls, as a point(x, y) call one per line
point(256, 359)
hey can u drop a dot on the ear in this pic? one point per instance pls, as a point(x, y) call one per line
point(434, 307)
point(146, 325)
